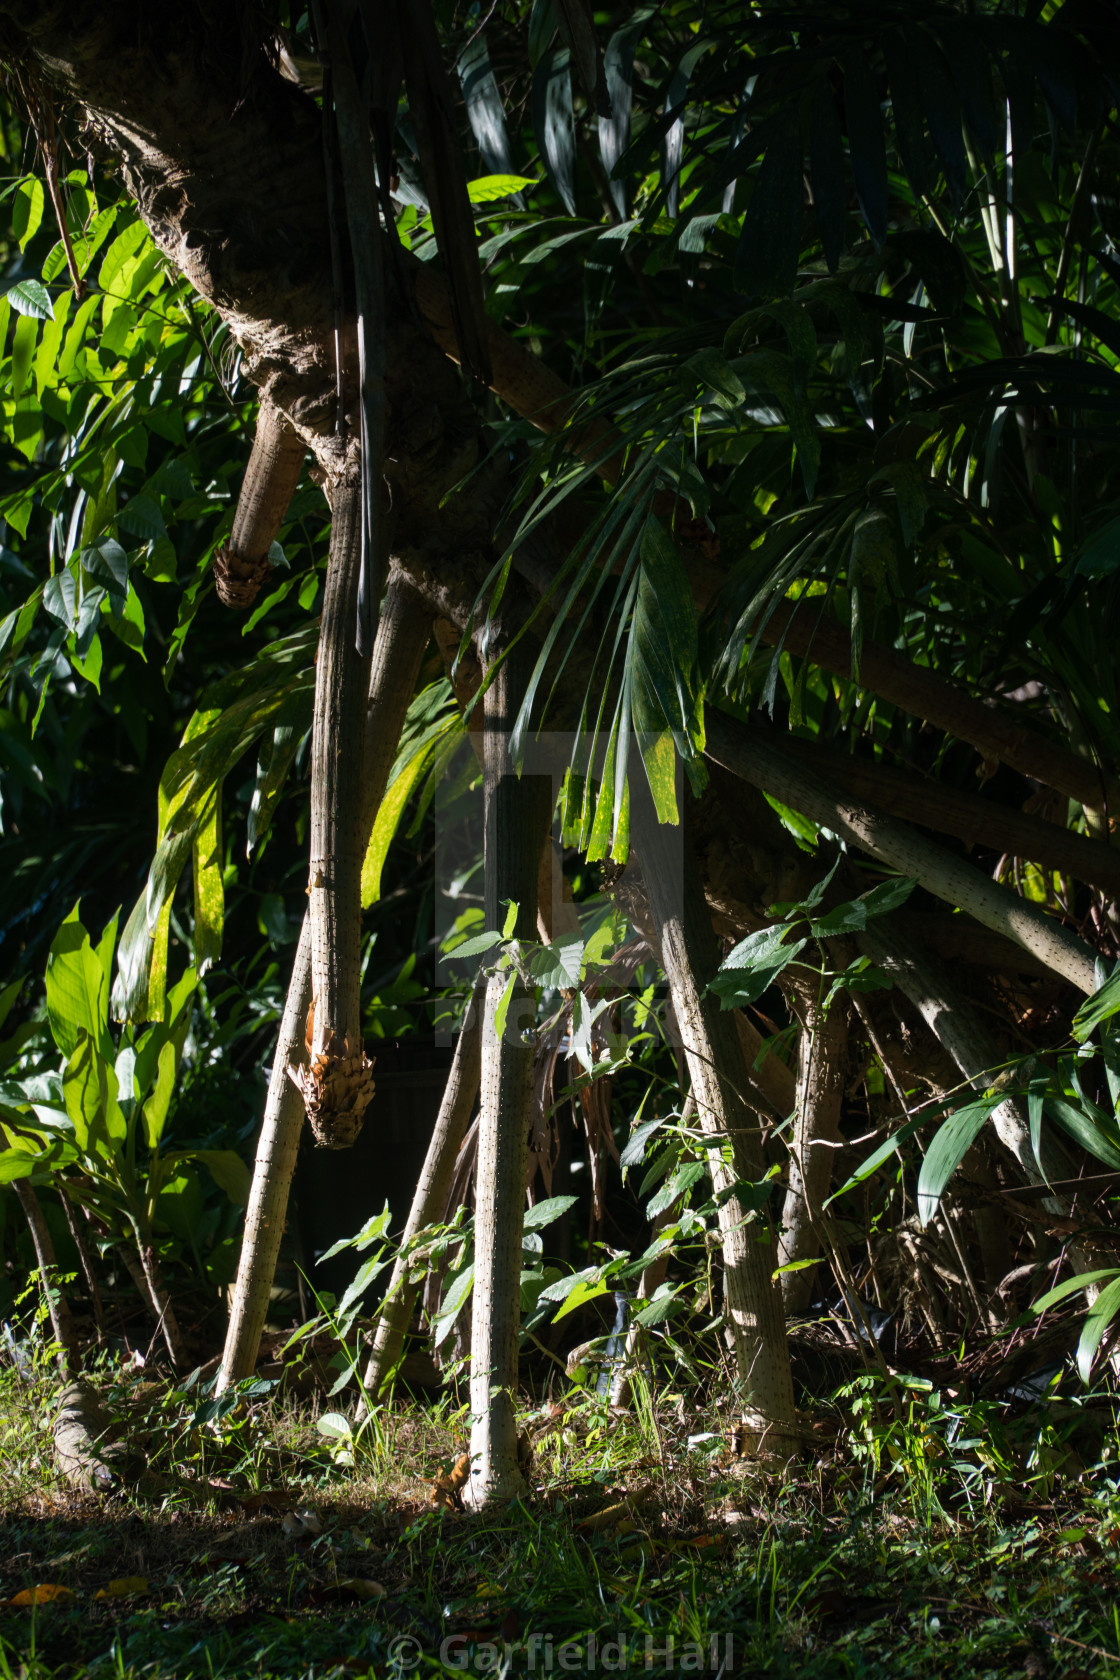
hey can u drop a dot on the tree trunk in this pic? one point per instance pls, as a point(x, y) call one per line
point(402, 635)
point(821, 1075)
point(62, 1323)
point(718, 1076)
point(517, 811)
point(337, 1085)
point(759, 761)
point(432, 1187)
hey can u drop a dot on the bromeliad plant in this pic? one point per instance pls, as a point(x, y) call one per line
point(93, 1127)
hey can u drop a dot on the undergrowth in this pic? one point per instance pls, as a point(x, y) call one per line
point(917, 1536)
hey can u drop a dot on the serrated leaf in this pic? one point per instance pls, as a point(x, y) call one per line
point(543, 1214)
point(488, 189)
point(30, 297)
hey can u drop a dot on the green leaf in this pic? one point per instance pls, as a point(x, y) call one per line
point(682, 1180)
point(502, 1009)
point(475, 947)
point(487, 189)
point(1101, 1314)
point(947, 1150)
point(228, 1171)
point(1101, 1006)
point(209, 892)
point(510, 922)
point(389, 815)
point(665, 1304)
point(30, 297)
point(77, 990)
point(141, 515)
point(158, 1102)
point(543, 1214)
point(753, 965)
point(27, 210)
point(1093, 1132)
point(583, 1289)
point(89, 1090)
point(1071, 1286)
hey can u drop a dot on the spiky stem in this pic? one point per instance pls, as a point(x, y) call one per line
point(516, 816)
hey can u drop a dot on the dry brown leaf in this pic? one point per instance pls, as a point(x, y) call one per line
point(47, 1592)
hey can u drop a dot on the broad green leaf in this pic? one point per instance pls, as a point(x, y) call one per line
point(475, 947)
point(682, 1180)
point(89, 1090)
point(159, 1099)
point(77, 991)
point(228, 1171)
point(8, 997)
point(947, 1150)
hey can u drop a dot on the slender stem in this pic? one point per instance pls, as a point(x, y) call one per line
point(62, 1323)
point(402, 635)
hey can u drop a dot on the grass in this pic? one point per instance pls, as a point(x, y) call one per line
point(917, 1538)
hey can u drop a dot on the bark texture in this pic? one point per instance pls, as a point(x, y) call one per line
point(821, 1075)
point(337, 1084)
point(516, 817)
point(718, 1080)
point(456, 1108)
point(242, 564)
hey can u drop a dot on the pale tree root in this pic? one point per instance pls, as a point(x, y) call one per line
point(518, 810)
point(242, 564)
point(760, 761)
point(975, 1053)
point(718, 1080)
point(337, 1083)
point(430, 1198)
point(402, 636)
point(62, 1322)
point(821, 1078)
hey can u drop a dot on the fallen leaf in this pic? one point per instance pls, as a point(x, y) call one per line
point(701, 1540)
point(129, 1586)
point(361, 1588)
point(47, 1592)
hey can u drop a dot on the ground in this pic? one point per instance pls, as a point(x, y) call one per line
point(912, 1539)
